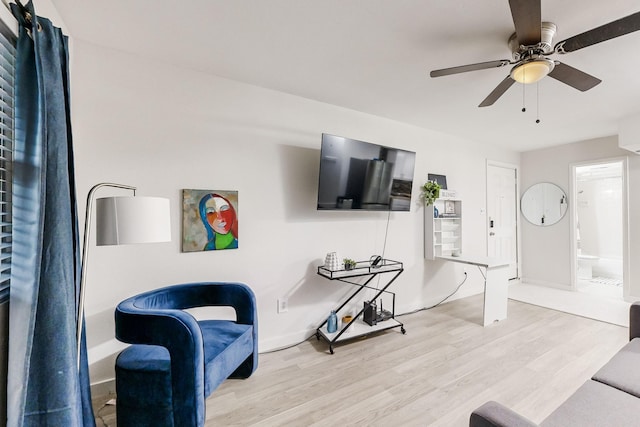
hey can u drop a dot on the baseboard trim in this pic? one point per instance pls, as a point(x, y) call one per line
point(285, 341)
point(555, 285)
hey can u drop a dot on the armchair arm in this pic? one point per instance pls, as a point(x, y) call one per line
point(179, 332)
point(634, 320)
point(493, 414)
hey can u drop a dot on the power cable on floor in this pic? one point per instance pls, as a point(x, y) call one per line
point(437, 304)
point(397, 315)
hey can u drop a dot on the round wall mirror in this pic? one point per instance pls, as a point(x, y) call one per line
point(543, 204)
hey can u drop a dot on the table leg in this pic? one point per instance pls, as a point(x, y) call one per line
point(496, 294)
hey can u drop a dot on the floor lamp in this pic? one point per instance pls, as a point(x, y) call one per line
point(121, 221)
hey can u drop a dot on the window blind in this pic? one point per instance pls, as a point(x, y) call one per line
point(7, 84)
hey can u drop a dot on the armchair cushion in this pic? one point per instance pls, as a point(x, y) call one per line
point(494, 414)
point(616, 373)
point(224, 344)
point(596, 404)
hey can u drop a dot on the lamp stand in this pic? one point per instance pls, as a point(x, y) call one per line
point(85, 254)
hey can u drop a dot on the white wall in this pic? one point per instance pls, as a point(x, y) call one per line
point(165, 129)
point(546, 251)
point(599, 206)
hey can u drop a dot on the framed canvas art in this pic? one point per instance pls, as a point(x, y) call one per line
point(440, 179)
point(449, 207)
point(209, 220)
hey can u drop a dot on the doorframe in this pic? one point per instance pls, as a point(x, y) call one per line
point(626, 266)
point(516, 170)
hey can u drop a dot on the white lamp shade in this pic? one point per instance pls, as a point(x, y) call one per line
point(129, 220)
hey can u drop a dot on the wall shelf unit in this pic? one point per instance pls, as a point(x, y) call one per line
point(443, 234)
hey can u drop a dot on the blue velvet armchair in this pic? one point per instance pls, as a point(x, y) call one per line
point(176, 362)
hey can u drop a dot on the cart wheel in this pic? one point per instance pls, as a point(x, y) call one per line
point(331, 350)
point(318, 336)
point(403, 330)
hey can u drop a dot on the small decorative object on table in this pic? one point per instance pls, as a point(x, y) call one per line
point(375, 261)
point(430, 192)
point(332, 261)
point(332, 322)
point(449, 207)
point(349, 264)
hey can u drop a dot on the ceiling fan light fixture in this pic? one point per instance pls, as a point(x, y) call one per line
point(532, 70)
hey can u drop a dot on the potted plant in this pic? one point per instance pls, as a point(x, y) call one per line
point(349, 264)
point(430, 192)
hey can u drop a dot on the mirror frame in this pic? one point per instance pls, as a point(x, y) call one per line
point(534, 208)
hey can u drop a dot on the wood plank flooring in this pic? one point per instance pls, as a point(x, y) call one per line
point(444, 367)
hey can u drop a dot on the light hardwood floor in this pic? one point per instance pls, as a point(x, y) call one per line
point(445, 366)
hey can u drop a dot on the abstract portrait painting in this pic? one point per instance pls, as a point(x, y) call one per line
point(209, 220)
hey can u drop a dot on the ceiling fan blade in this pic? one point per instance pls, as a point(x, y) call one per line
point(527, 18)
point(497, 92)
point(605, 32)
point(573, 77)
point(470, 67)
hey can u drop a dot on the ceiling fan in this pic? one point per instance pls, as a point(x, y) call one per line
point(531, 44)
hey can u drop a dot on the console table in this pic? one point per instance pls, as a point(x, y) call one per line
point(496, 285)
point(357, 327)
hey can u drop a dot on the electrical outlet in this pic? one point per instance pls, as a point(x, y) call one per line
point(283, 305)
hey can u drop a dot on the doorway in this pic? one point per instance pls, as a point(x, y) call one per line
point(599, 228)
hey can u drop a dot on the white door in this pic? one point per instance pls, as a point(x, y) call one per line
point(502, 215)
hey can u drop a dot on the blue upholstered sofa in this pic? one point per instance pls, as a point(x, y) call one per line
point(175, 361)
point(611, 398)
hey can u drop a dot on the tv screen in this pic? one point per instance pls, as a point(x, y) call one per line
point(364, 176)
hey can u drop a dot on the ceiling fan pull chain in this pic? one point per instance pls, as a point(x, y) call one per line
point(523, 89)
point(538, 102)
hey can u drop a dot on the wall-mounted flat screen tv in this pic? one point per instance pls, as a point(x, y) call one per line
point(360, 175)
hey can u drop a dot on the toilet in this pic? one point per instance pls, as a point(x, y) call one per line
point(585, 266)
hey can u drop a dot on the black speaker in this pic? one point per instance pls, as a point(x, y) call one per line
point(370, 315)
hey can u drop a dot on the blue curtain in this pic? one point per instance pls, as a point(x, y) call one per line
point(45, 387)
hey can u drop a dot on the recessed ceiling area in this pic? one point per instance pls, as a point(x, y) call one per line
point(375, 56)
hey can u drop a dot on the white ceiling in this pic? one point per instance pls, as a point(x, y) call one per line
point(375, 56)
